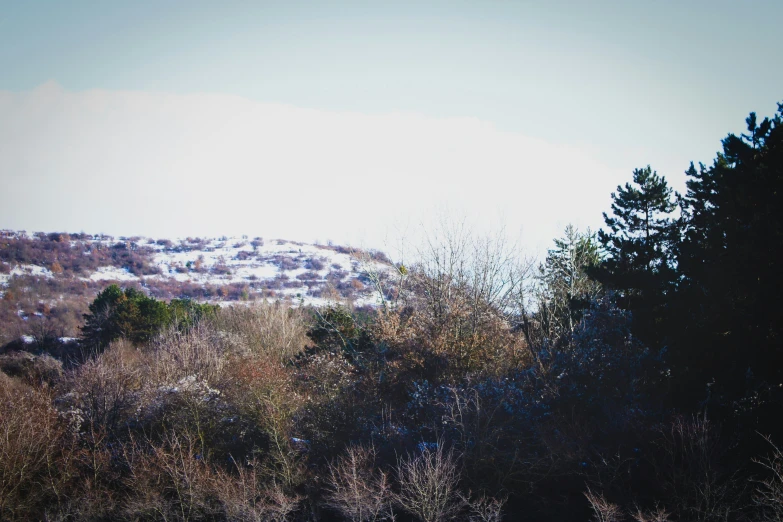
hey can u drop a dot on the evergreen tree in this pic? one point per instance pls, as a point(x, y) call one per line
point(99, 327)
point(730, 260)
point(566, 287)
point(639, 249)
point(126, 314)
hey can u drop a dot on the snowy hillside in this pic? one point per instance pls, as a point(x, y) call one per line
point(207, 269)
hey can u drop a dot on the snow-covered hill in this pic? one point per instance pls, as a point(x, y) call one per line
point(208, 269)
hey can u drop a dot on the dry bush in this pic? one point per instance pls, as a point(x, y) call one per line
point(356, 489)
point(690, 472)
point(102, 394)
point(186, 375)
point(484, 509)
point(44, 331)
point(168, 480)
point(333, 402)
point(603, 510)
point(480, 425)
point(246, 498)
point(35, 370)
point(265, 393)
point(173, 480)
point(428, 484)
point(272, 329)
point(36, 464)
point(457, 299)
point(201, 351)
point(657, 515)
point(768, 496)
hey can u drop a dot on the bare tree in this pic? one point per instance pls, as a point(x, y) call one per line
point(484, 509)
point(428, 484)
point(769, 493)
point(603, 510)
point(356, 489)
point(657, 515)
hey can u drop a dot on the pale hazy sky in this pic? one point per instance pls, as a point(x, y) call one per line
point(338, 120)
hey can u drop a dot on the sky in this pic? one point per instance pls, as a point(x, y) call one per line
point(358, 121)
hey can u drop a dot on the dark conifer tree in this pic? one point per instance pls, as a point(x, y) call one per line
point(730, 259)
point(639, 249)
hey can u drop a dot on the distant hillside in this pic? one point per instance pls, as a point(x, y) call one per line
point(51, 276)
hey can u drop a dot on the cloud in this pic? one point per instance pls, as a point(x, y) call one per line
point(163, 164)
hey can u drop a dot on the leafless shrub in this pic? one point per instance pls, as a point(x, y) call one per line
point(201, 351)
point(103, 391)
point(284, 262)
point(265, 394)
point(603, 510)
point(187, 377)
point(459, 297)
point(245, 498)
point(308, 276)
point(690, 471)
point(35, 457)
point(357, 490)
point(315, 263)
point(33, 369)
point(657, 515)
point(484, 509)
point(769, 493)
point(480, 426)
point(428, 484)
point(267, 328)
point(44, 331)
point(221, 268)
point(169, 480)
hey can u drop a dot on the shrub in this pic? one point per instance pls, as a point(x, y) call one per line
point(103, 393)
point(428, 484)
point(169, 481)
point(357, 489)
point(769, 492)
point(116, 313)
point(35, 370)
point(315, 263)
point(270, 329)
point(603, 510)
point(35, 453)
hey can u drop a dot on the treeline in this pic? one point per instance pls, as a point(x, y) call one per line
point(633, 375)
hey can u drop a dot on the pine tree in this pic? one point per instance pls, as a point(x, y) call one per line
point(639, 249)
point(125, 314)
point(730, 260)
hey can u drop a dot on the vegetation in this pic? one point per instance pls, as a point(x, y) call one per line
point(634, 375)
point(131, 315)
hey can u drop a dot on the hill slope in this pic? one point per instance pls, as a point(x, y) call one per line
point(52, 276)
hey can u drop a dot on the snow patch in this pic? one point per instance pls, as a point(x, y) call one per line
point(112, 273)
